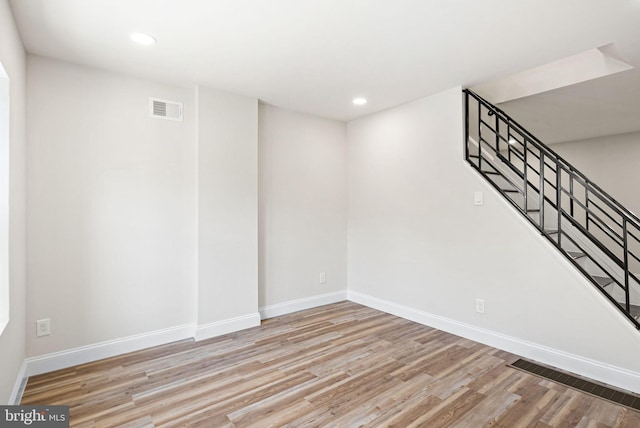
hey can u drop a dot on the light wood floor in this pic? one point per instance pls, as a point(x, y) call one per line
point(342, 365)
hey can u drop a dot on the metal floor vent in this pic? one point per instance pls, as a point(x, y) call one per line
point(606, 393)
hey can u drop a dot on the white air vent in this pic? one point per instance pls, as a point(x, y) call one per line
point(165, 109)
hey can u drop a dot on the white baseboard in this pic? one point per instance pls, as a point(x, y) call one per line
point(230, 325)
point(111, 348)
point(616, 376)
point(284, 308)
point(599, 371)
point(18, 387)
point(86, 354)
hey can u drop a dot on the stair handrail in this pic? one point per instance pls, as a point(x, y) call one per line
point(594, 195)
point(559, 159)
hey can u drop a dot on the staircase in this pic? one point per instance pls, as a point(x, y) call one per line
point(590, 228)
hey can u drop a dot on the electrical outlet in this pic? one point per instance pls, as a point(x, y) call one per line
point(480, 306)
point(323, 277)
point(43, 327)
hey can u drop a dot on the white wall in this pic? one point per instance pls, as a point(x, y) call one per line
point(227, 207)
point(12, 339)
point(611, 162)
point(416, 240)
point(137, 224)
point(303, 198)
point(111, 207)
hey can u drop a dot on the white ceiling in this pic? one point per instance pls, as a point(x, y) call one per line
point(314, 56)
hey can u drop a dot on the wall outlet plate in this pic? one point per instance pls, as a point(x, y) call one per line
point(43, 327)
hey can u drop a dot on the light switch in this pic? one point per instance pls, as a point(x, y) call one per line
point(478, 198)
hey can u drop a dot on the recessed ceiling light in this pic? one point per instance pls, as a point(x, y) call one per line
point(359, 101)
point(512, 141)
point(143, 39)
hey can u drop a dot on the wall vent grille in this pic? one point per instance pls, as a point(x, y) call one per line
point(165, 109)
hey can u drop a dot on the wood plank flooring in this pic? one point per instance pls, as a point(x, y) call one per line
point(341, 365)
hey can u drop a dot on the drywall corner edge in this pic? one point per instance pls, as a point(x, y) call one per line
point(284, 308)
point(18, 387)
point(218, 328)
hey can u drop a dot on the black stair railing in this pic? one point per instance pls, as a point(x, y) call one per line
point(594, 231)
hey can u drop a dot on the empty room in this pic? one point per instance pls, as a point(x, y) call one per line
point(249, 213)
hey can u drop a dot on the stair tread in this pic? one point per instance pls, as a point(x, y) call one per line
point(576, 254)
point(603, 281)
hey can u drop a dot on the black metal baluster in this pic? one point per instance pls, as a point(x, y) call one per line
point(525, 177)
point(571, 192)
point(509, 148)
point(479, 136)
point(541, 174)
point(559, 201)
point(466, 126)
point(497, 127)
point(626, 265)
point(586, 204)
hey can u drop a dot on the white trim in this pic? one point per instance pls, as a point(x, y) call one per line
point(602, 372)
point(18, 387)
point(110, 348)
point(230, 325)
point(278, 309)
point(5, 196)
point(612, 375)
point(86, 354)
